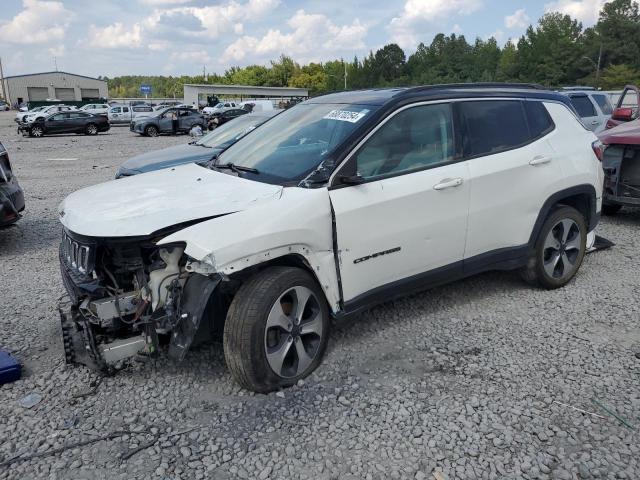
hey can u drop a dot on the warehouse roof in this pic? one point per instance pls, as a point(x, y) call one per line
point(49, 73)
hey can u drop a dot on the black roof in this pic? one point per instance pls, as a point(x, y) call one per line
point(383, 96)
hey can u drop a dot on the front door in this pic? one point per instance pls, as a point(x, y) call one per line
point(165, 122)
point(405, 226)
point(58, 123)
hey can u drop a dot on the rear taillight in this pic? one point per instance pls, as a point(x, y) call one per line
point(598, 149)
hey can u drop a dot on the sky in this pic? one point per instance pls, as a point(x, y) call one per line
point(183, 37)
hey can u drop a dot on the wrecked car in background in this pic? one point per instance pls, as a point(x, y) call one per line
point(627, 107)
point(321, 212)
point(205, 149)
point(11, 195)
point(621, 164)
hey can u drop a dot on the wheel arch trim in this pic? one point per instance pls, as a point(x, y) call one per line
point(570, 196)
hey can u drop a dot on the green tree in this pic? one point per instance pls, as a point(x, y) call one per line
point(617, 76)
point(549, 53)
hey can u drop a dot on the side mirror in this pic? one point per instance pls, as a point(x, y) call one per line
point(623, 114)
point(356, 179)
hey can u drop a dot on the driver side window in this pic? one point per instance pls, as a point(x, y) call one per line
point(414, 139)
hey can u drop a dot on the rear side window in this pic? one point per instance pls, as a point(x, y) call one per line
point(493, 126)
point(539, 120)
point(583, 106)
point(604, 104)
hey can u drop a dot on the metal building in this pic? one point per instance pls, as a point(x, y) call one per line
point(59, 85)
point(193, 93)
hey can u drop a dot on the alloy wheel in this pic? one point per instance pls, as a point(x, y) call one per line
point(36, 131)
point(92, 129)
point(293, 332)
point(561, 249)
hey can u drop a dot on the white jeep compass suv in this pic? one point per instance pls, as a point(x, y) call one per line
point(339, 203)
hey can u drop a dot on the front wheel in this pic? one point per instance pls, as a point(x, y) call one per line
point(559, 250)
point(36, 131)
point(151, 131)
point(91, 129)
point(276, 329)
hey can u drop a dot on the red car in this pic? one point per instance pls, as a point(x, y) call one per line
point(627, 107)
point(621, 163)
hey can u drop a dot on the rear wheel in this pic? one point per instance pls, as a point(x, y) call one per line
point(91, 129)
point(36, 131)
point(151, 131)
point(610, 210)
point(276, 330)
point(559, 250)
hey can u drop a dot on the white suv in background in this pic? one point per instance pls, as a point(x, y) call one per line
point(593, 106)
point(337, 204)
point(96, 108)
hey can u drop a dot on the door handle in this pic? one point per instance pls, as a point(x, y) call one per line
point(595, 122)
point(448, 183)
point(540, 160)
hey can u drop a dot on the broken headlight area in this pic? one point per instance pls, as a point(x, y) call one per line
point(127, 295)
point(621, 165)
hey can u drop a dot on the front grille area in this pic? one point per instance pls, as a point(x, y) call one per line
point(76, 255)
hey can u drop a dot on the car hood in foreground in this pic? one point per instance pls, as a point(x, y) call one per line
point(625, 134)
point(143, 204)
point(168, 157)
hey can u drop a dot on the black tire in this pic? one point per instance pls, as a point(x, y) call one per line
point(36, 131)
point(537, 269)
point(91, 129)
point(151, 131)
point(610, 210)
point(246, 332)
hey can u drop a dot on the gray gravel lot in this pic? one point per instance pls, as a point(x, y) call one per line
point(465, 381)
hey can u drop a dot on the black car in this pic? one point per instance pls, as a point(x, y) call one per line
point(220, 118)
point(66, 122)
point(11, 195)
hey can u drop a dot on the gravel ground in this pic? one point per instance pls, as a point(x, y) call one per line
point(472, 380)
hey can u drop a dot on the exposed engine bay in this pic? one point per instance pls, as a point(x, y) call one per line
point(126, 296)
point(621, 164)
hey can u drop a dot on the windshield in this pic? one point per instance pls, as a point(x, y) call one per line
point(231, 132)
point(292, 144)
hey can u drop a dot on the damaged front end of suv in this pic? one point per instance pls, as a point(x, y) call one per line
point(124, 295)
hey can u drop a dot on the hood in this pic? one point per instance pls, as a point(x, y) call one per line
point(625, 134)
point(168, 157)
point(143, 204)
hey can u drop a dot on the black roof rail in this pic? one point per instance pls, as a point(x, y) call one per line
point(524, 86)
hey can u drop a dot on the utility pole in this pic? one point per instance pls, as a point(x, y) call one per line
point(55, 62)
point(345, 74)
point(598, 67)
point(4, 93)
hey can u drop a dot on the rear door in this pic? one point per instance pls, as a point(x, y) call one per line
point(586, 110)
point(409, 217)
point(513, 170)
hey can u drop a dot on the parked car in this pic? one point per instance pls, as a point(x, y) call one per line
point(621, 163)
point(593, 106)
point(20, 116)
point(65, 122)
point(339, 203)
point(161, 122)
point(220, 118)
point(11, 195)
point(4, 106)
point(96, 108)
point(125, 114)
point(219, 107)
point(203, 150)
point(46, 111)
point(627, 107)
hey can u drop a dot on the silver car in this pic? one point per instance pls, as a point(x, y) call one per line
point(593, 106)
